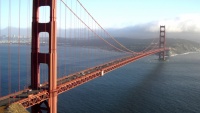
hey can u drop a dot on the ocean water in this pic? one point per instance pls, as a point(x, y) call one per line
point(15, 64)
point(145, 86)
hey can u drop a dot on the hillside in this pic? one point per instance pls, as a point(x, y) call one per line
point(178, 46)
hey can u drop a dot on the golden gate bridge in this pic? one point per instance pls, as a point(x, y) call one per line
point(50, 76)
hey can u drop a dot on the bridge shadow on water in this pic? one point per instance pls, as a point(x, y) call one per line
point(144, 97)
point(136, 92)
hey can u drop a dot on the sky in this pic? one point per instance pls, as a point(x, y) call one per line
point(124, 13)
point(176, 15)
point(25, 13)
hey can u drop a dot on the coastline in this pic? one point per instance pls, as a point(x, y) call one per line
point(184, 53)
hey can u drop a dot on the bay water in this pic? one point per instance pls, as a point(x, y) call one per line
point(144, 86)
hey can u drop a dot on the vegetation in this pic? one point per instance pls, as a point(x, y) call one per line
point(16, 108)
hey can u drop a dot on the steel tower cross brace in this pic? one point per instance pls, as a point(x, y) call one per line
point(162, 43)
point(49, 58)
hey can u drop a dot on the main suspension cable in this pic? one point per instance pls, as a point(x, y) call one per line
point(93, 30)
point(105, 30)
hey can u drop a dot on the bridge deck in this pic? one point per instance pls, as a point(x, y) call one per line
point(30, 97)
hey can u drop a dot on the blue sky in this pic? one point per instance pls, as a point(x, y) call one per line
point(25, 11)
point(177, 14)
point(122, 13)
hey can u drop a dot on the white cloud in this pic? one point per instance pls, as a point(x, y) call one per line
point(182, 23)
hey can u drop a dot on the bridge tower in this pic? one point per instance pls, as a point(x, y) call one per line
point(49, 58)
point(162, 43)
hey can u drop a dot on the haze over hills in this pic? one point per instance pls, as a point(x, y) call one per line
point(140, 33)
point(177, 46)
point(133, 37)
point(136, 32)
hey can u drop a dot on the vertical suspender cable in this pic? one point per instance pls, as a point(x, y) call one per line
point(42, 47)
point(74, 38)
point(0, 49)
point(96, 50)
point(59, 53)
point(70, 35)
point(9, 33)
point(69, 38)
point(27, 43)
point(46, 41)
point(93, 53)
point(65, 56)
point(75, 34)
point(38, 39)
point(80, 37)
point(19, 50)
point(85, 37)
point(28, 34)
point(45, 71)
point(88, 41)
point(93, 35)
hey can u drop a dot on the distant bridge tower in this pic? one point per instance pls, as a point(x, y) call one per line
point(49, 58)
point(162, 43)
